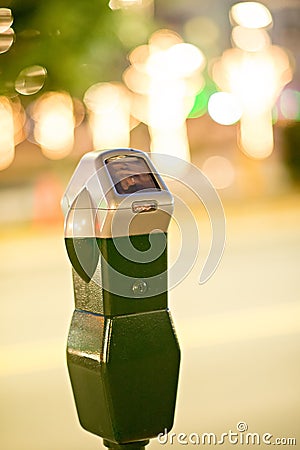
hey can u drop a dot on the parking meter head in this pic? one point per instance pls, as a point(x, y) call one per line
point(116, 240)
point(108, 197)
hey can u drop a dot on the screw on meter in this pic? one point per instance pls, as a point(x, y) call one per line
point(123, 356)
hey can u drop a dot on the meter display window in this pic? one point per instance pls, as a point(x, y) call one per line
point(130, 174)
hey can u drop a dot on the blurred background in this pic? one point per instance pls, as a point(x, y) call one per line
point(214, 82)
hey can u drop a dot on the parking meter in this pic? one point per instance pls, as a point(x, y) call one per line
point(122, 353)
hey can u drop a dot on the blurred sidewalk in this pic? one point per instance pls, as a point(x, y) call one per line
point(239, 333)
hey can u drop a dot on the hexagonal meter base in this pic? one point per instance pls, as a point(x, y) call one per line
point(124, 374)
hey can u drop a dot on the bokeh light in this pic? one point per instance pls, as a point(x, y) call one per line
point(124, 30)
point(256, 136)
point(102, 97)
point(250, 39)
point(109, 107)
point(201, 99)
point(202, 31)
point(7, 39)
point(251, 15)
point(137, 81)
point(7, 146)
point(6, 19)
point(172, 91)
point(54, 124)
point(163, 40)
point(220, 171)
point(127, 4)
point(78, 111)
point(166, 82)
point(184, 59)
point(224, 108)
point(6, 157)
point(139, 56)
point(165, 77)
point(290, 104)
point(19, 120)
point(255, 72)
point(30, 80)
point(256, 79)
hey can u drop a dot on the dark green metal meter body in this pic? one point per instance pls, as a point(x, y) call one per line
point(122, 354)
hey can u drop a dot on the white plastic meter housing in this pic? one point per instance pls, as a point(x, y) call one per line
point(123, 193)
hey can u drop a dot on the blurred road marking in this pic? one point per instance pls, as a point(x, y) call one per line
point(194, 332)
point(28, 357)
point(255, 323)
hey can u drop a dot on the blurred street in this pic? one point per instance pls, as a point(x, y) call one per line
point(239, 333)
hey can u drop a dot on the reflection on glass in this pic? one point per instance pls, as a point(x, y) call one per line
point(30, 80)
point(130, 174)
point(6, 19)
point(7, 38)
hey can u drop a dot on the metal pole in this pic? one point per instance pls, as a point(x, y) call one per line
point(139, 445)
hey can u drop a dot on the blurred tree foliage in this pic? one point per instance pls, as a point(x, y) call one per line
point(78, 42)
point(291, 156)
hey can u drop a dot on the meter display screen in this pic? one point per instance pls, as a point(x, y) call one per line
point(130, 174)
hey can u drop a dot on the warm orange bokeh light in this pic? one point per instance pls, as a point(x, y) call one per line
point(54, 124)
point(251, 15)
point(250, 39)
point(165, 76)
point(109, 114)
point(7, 145)
point(255, 73)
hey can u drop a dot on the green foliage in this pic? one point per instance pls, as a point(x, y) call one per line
point(201, 99)
point(291, 154)
point(77, 41)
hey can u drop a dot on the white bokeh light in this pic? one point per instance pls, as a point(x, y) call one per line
point(220, 171)
point(224, 108)
point(251, 15)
